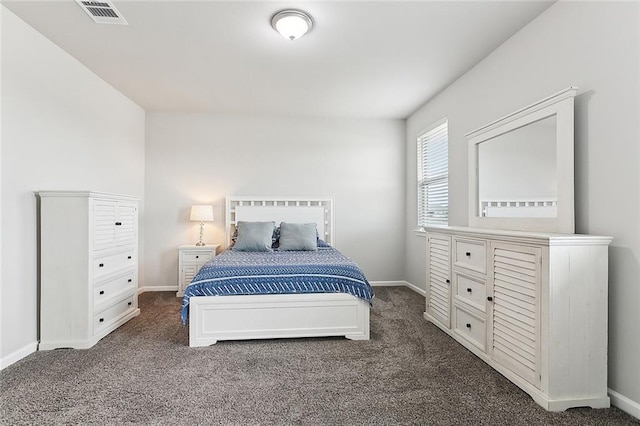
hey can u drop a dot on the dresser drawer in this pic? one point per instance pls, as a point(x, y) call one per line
point(107, 290)
point(470, 254)
point(107, 316)
point(472, 327)
point(105, 265)
point(196, 257)
point(471, 290)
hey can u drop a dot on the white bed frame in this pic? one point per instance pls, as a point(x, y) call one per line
point(213, 318)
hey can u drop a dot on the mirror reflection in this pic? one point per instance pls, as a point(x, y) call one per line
point(517, 172)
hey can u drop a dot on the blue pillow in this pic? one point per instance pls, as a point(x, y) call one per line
point(254, 236)
point(274, 237)
point(298, 236)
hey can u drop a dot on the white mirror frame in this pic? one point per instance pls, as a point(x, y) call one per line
point(560, 105)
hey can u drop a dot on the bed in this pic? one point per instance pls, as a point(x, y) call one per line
point(242, 295)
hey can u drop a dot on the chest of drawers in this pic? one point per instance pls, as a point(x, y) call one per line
point(88, 266)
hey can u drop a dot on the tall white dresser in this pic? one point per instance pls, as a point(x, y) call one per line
point(88, 266)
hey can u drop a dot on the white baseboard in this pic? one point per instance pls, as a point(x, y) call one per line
point(157, 288)
point(387, 283)
point(416, 289)
point(625, 404)
point(18, 355)
point(398, 284)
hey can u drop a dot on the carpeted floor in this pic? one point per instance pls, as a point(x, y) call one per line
point(408, 373)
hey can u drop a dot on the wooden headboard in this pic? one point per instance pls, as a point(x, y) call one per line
point(251, 208)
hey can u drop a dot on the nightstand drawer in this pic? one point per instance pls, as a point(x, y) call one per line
point(471, 290)
point(196, 257)
point(470, 254)
point(471, 327)
point(107, 290)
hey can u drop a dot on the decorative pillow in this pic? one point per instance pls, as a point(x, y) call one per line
point(254, 236)
point(298, 236)
point(274, 237)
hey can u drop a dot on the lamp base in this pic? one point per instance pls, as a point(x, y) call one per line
point(201, 243)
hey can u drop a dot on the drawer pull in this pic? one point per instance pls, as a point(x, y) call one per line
point(101, 291)
point(197, 257)
point(101, 319)
point(468, 290)
point(101, 265)
point(129, 303)
point(129, 280)
point(447, 281)
point(468, 254)
point(468, 325)
point(118, 223)
point(128, 257)
point(490, 299)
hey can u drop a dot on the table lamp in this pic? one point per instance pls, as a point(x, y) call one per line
point(202, 214)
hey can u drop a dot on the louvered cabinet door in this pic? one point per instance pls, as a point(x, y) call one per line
point(126, 223)
point(104, 218)
point(439, 278)
point(514, 324)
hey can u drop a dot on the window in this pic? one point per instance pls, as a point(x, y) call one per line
point(433, 175)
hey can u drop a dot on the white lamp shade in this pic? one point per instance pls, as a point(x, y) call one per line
point(201, 213)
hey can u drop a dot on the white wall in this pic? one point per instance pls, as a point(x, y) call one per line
point(62, 128)
point(192, 158)
point(593, 45)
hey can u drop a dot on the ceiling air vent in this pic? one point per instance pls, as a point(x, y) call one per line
point(102, 12)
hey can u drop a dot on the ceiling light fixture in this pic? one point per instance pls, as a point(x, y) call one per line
point(292, 23)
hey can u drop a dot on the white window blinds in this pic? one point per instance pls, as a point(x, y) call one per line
point(433, 176)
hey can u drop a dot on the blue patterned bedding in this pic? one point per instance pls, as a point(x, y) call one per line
point(278, 272)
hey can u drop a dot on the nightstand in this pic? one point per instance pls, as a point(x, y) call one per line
point(190, 260)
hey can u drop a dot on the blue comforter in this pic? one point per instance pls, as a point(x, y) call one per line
point(240, 273)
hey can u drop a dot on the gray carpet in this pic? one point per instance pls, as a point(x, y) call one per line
point(408, 373)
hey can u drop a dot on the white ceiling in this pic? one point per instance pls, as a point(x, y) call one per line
point(377, 59)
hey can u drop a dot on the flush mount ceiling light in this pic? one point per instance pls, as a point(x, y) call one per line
point(292, 23)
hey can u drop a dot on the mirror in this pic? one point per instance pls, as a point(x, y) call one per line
point(517, 172)
point(521, 169)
